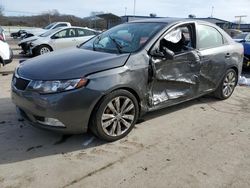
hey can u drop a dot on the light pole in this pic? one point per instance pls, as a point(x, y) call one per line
point(212, 11)
point(134, 6)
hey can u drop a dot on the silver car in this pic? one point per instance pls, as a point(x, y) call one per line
point(56, 39)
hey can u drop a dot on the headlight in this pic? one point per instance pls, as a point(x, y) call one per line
point(55, 86)
point(30, 41)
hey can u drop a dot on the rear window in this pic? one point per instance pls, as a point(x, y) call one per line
point(208, 37)
point(84, 32)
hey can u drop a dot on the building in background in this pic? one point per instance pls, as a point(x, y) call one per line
point(110, 19)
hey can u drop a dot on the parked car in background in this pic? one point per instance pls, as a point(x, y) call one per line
point(233, 32)
point(39, 31)
point(109, 81)
point(6, 54)
point(244, 39)
point(18, 34)
point(59, 38)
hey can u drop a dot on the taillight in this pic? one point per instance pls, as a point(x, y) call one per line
point(2, 37)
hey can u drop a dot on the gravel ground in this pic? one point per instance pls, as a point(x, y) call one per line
point(201, 143)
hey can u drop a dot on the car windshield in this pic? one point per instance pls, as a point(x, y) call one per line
point(50, 32)
point(124, 38)
point(49, 26)
point(241, 36)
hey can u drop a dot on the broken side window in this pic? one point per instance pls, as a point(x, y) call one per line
point(178, 40)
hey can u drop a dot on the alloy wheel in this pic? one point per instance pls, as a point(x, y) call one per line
point(44, 50)
point(118, 116)
point(229, 84)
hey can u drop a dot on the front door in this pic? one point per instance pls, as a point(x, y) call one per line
point(64, 39)
point(175, 79)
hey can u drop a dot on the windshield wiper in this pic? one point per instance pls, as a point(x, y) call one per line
point(117, 45)
point(95, 42)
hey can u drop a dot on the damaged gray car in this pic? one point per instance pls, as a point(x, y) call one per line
point(109, 81)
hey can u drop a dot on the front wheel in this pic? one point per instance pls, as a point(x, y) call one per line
point(43, 49)
point(115, 116)
point(227, 86)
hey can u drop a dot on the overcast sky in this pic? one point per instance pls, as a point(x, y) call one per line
point(224, 9)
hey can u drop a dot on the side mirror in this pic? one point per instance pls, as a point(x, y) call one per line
point(168, 53)
point(164, 53)
point(55, 37)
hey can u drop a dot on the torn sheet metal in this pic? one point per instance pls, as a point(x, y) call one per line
point(177, 77)
point(158, 98)
point(165, 95)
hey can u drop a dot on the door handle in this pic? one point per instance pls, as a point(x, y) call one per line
point(228, 55)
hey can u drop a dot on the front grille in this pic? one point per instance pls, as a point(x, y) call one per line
point(20, 83)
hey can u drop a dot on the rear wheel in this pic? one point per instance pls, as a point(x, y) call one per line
point(115, 116)
point(227, 86)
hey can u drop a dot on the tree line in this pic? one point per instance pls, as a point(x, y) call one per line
point(50, 17)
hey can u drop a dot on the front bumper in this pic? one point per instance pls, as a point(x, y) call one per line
point(25, 47)
point(72, 108)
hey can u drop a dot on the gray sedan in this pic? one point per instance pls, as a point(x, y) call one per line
point(109, 81)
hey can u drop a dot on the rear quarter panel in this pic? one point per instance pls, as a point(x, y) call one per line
point(237, 56)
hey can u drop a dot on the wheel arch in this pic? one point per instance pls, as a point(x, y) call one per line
point(36, 49)
point(235, 68)
point(132, 91)
point(47, 46)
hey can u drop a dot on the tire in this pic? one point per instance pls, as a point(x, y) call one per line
point(115, 115)
point(43, 49)
point(227, 85)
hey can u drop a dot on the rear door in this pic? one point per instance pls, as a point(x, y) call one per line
point(215, 55)
point(175, 79)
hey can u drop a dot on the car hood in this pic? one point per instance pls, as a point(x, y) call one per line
point(29, 39)
point(37, 31)
point(69, 64)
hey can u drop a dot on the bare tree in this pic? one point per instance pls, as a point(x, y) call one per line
point(54, 12)
point(1, 10)
point(191, 16)
point(94, 13)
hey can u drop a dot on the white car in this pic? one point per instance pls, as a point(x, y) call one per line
point(39, 31)
point(6, 54)
point(59, 38)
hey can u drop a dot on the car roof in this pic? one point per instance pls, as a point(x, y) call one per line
point(170, 20)
point(58, 29)
point(161, 20)
point(82, 28)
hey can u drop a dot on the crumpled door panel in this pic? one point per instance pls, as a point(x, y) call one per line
point(174, 80)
